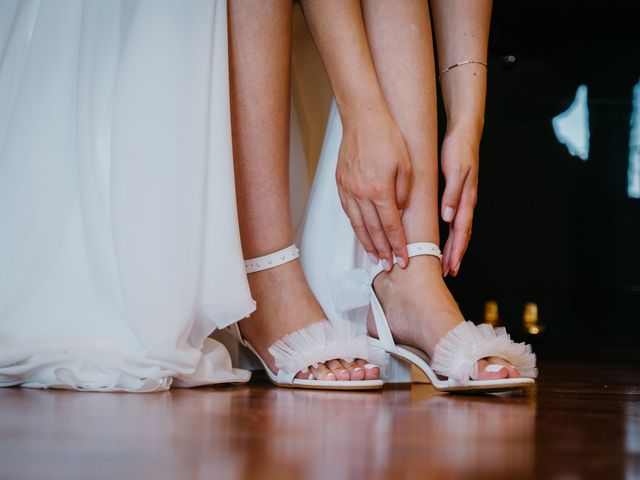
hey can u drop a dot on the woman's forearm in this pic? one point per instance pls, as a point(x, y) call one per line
point(338, 31)
point(462, 33)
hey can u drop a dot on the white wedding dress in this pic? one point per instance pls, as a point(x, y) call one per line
point(119, 243)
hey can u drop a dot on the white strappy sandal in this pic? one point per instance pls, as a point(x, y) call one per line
point(318, 342)
point(454, 363)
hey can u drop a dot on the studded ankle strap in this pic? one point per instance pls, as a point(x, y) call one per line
point(272, 260)
point(414, 250)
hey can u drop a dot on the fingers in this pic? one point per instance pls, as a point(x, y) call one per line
point(394, 232)
point(446, 253)
point(377, 234)
point(403, 186)
point(461, 231)
point(352, 210)
point(379, 228)
point(399, 241)
point(454, 183)
point(373, 210)
point(461, 223)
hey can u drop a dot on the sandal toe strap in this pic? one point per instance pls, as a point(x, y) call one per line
point(456, 355)
point(318, 342)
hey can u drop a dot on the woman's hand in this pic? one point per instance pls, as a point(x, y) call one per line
point(374, 178)
point(460, 160)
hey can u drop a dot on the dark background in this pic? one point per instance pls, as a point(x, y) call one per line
point(551, 228)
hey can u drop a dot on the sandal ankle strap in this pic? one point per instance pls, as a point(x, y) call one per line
point(272, 260)
point(413, 250)
point(422, 248)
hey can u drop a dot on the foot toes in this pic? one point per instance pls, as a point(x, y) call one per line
point(371, 371)
point(321, 372)
point(338, 370)
point(305, 374)
point(356, 372)
point(494, 368)
point(512, 371)
point(341, 370)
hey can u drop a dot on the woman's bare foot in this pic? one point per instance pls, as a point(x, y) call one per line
point(420, 311)
point(285, 304)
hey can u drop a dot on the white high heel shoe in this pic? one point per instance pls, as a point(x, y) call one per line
point(316, 343)
point(453, 367)
point(454, 364)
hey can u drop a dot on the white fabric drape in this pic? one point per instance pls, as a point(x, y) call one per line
point(119, 244)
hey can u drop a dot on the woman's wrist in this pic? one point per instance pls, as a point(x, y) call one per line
point(469, 126)
point(363, 104)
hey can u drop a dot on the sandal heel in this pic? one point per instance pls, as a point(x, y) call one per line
point(247, 360)
point(241, 356)
point(397, 371)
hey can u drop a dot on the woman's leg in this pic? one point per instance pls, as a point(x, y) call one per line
point(260, 45)
point(400, 39)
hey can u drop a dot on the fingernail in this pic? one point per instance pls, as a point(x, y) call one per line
point(373, 257)
point(330, 375)
point(448, 214)
point(454, 272)
point(385, 265)
point(344, 371)
point(493, 368)
point(357, 369)
point(401, 262)
point(310, 376)
point(370, 366)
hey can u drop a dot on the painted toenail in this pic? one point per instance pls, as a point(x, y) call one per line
point(493, 368)
point(370, 366)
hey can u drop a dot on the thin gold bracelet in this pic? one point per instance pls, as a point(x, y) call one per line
point(459, 64)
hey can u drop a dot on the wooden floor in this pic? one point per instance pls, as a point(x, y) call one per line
point(584, 422)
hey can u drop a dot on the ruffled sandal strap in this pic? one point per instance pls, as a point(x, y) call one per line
point(316, 343)
point(456, 355)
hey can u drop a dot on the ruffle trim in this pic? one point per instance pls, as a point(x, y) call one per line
point(457, 353)
point(316, 343)
point(114, 364)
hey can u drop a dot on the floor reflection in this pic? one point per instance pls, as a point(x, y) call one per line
point(583, 423)
point(397, 432)
point(265, 432)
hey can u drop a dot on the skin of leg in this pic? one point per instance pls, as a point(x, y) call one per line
point(400, 39)
point(260, 45)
